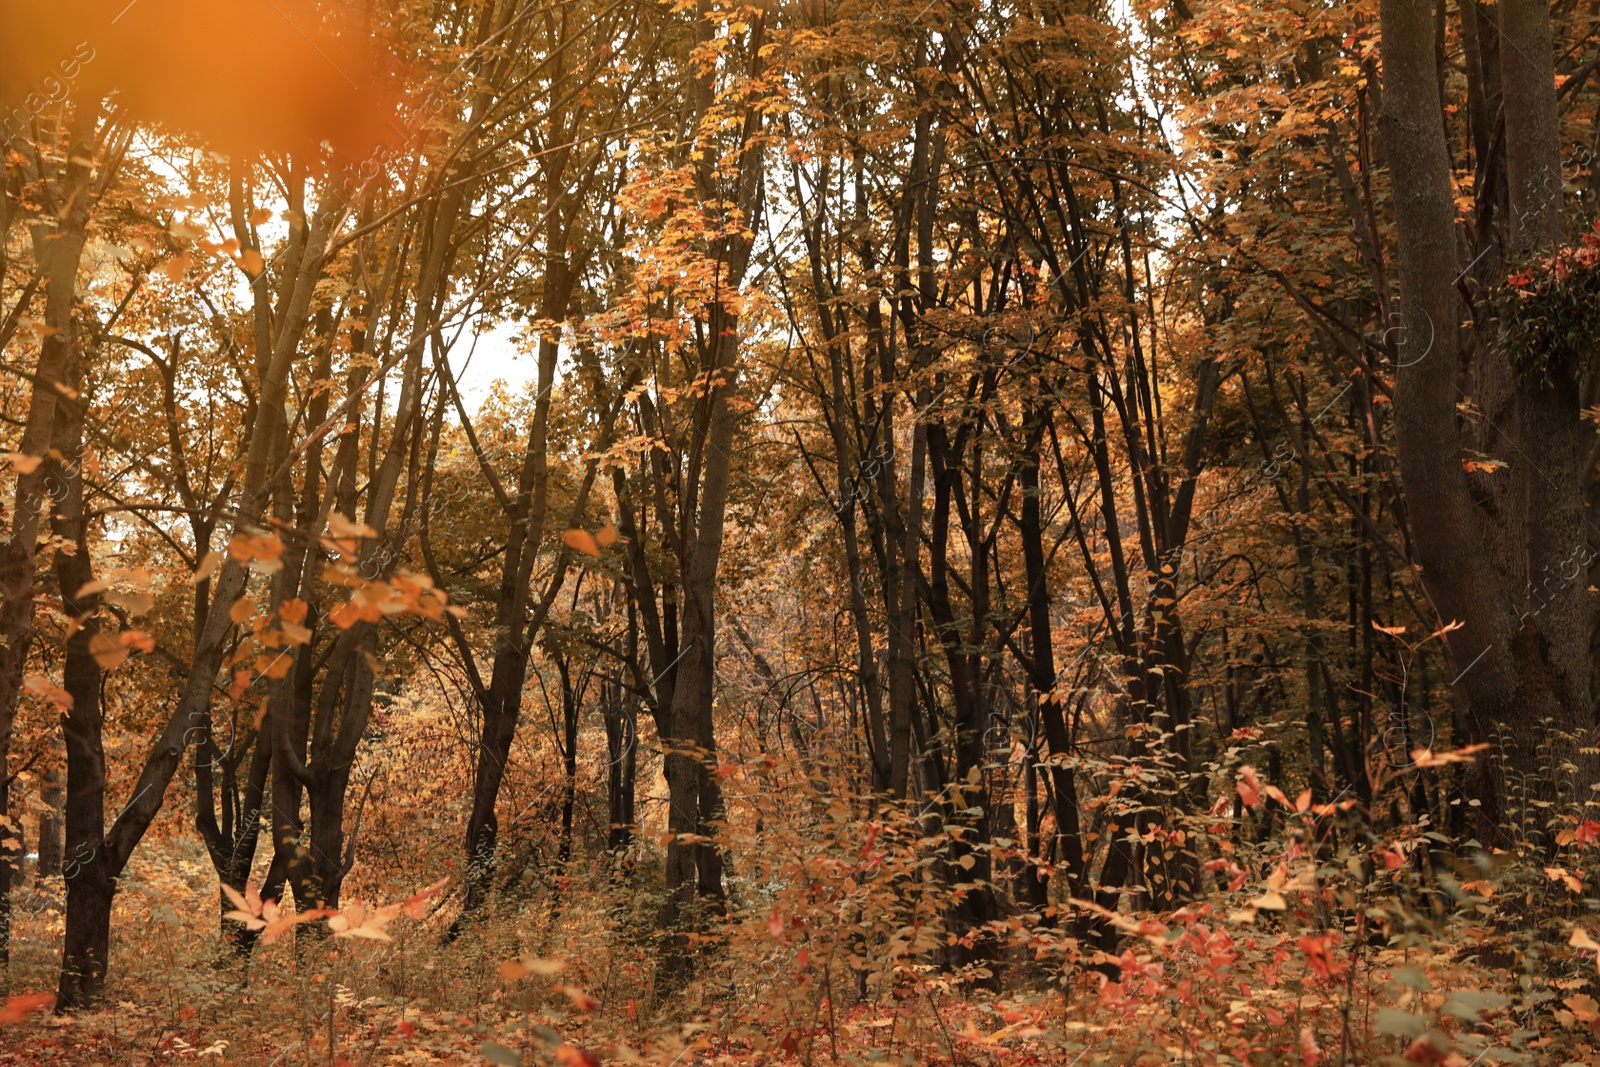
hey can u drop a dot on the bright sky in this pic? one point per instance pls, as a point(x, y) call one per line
point(492, 357)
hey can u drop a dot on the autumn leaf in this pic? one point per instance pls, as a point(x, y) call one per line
point(208, 567)
point(571, 1056)
point(339, 526)
point(416, 905)
point(1561, 874)
point(137, 603)
point(1424, 757)
point(358, 920)
point(1583, 1007)
point(20, 1006)
point(1249, 786)
point(1310, 1054)
point(176, 267)
point(107, 651)
point(48, 690)
point(580, 1000)
point(581, 540)
point(23, 464)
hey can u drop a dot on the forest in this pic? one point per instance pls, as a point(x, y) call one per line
point(710, 532)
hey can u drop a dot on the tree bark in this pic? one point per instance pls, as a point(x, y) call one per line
point(1515, 667)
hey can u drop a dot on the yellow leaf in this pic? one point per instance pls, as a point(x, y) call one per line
point(242, 609)
point(251, 263)
point(606, 536)
point(23, 464)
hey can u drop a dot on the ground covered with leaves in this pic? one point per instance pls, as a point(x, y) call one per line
point(1315, 944)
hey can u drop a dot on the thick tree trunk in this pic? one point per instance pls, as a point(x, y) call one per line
point(58, 250)
point(1515, 668)
point(91, 866)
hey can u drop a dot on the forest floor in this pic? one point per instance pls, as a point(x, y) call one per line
point(562, 984)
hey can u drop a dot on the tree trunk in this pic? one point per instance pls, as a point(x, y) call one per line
point(58, 250)
point(1515, 668)
point(50, 793)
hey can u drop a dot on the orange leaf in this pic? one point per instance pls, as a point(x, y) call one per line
point(176, 267)
point(416, 906)
point(1426, 757)
point(582, 540)
point(1249, 786)
point(339, 526)
point(580, 1000)
point(17, 1007)
point(569, 1056)
point(107, 651)
point(275, 929)
point(50, 691)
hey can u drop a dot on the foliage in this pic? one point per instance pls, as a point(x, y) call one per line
point(841, 532)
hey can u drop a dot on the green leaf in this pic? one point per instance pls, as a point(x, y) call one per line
point(1468, 1004)
point(1399, 1023)
point(1412, 978)
point(500, 1054)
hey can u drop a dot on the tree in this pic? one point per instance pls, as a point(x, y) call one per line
point(1482, 544)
